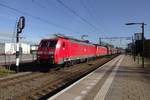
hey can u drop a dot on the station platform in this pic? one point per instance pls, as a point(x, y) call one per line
point(119, 79)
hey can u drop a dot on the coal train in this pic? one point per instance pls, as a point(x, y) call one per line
point(63, 49)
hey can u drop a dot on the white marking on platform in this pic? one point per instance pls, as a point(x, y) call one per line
point(78, 98)
point(92, 84)
point(103, 91)
point(88, 87)
point(83, 92)
point(95, 80)
point(64, 90)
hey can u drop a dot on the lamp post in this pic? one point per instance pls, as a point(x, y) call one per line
point(142, 26)
point(133, 48)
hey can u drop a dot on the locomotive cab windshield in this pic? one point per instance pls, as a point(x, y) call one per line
point(48, 43)
point(47, 47)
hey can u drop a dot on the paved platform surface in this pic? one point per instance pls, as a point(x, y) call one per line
point(120, 79)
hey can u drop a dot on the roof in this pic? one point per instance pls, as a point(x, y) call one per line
point(70, 38)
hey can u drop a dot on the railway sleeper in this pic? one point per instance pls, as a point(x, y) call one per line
point(60, 83)
point(37, 95)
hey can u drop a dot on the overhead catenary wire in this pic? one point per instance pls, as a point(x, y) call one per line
point(99, 21)
point(76, 14)
point(36, 17)
point(72, 11)
point(85, 7)
point(92, 15)
point(38, 4)
point(42, 6)
point(49, 22)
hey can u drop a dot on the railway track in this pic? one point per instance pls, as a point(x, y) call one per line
point(42, 85)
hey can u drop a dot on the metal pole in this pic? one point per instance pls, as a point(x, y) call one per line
point(100, 42)
point(143, 45)
point(20, 26)
point(17, 52)
point(138, 58)
point(133, 49)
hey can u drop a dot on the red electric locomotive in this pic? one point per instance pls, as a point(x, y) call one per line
point(100, 50)
point(62, 49)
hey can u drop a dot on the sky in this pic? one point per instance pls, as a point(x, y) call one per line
point(95, 18)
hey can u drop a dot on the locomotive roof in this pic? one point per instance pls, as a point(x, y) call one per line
point(50, 39)
point(58, 36)
point(71, 38)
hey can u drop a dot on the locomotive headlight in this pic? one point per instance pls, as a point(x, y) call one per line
point(51, 53)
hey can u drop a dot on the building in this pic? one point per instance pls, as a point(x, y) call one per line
point(10, 48)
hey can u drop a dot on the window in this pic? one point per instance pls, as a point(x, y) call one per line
point(43, 44)
point(48, 43)
point(52, 43)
